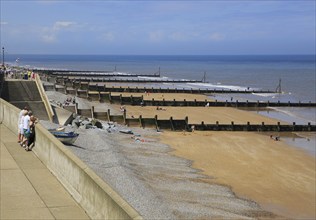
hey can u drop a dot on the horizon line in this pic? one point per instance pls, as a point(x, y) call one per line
point(298, 54)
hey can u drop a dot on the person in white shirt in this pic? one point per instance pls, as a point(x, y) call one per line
point(20, 124)
point(26, 128)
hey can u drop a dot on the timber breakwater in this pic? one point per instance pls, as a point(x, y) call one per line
point(102, 93)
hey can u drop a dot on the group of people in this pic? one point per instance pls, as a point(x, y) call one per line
point(28, 75)
point(69, 100)
point(276, 138)
point(26, 129)
point(122, 108)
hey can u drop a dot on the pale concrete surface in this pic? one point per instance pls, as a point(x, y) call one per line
point(28, 189)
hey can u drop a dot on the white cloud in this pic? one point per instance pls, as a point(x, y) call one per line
point(216, 36)
point(49, 34)
point(63, 25)
point(3, 23)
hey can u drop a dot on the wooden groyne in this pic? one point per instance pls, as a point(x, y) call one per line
point(183, 125)
point(99, 74)
point(83, 73)
point(253, 127)
point(66, 79)
point(101, 87)
point(140, 101)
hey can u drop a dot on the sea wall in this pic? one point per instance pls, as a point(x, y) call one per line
point(98, 199)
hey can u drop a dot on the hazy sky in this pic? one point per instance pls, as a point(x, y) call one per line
point(158, 27)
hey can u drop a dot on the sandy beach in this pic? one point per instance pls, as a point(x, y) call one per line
point(196, 115)
point(278, 177)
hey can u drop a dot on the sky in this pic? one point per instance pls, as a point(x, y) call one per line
point(158, 27)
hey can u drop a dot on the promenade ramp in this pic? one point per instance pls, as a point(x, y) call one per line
point(23, 93)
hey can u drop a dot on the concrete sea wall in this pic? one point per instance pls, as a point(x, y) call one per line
point(98, 199)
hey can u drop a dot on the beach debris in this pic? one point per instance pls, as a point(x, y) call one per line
point(126, 131)
point(86, 123)
point(137, 138)
point(96, 123)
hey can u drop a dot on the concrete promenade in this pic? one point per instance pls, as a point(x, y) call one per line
point(28, 189)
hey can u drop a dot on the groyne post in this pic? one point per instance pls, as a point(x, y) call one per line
point(124, 116)
point(110, 98)
point(76, 108)
point(156, 123)
point(309, 128)
point(186, 119)
point(92, 111)
point(141, 121)
point(202, 125)
point(109, 115)
point(171, 124)
point(293, 128)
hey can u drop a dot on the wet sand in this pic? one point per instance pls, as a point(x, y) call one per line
point(279, 177)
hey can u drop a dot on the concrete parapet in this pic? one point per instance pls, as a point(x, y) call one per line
point(9, 115)
point(95, 196)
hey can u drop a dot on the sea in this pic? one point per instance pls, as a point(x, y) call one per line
point(295, 74)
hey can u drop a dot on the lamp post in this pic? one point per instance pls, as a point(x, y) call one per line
point(3, 56)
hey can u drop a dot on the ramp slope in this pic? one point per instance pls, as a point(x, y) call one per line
point(24, 93)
